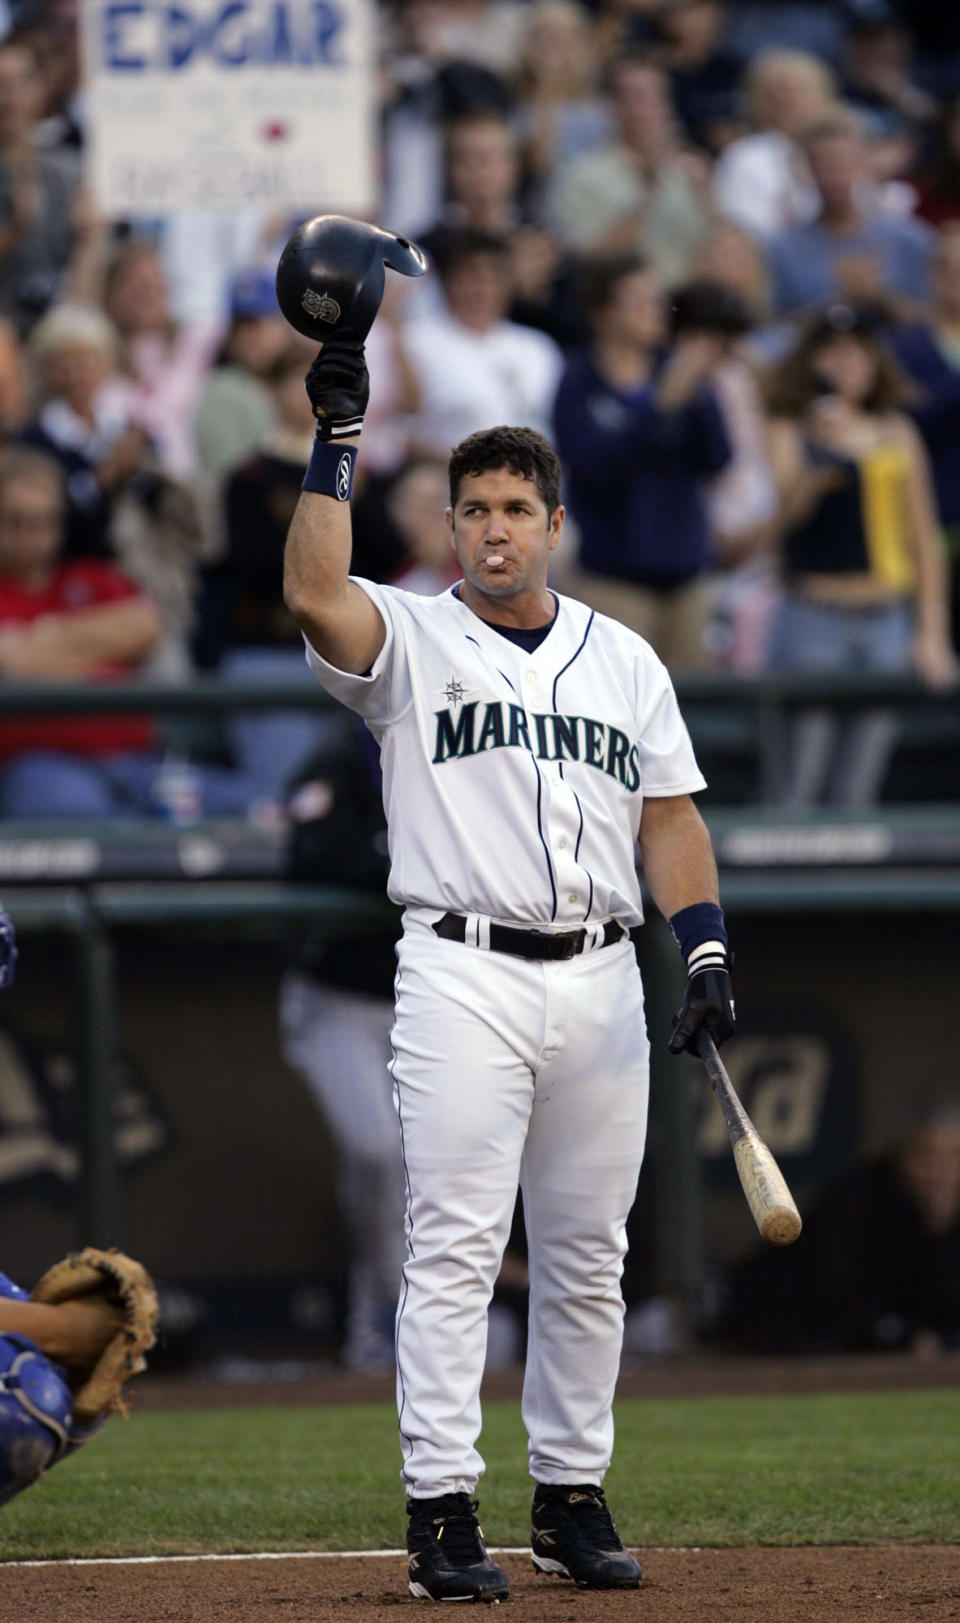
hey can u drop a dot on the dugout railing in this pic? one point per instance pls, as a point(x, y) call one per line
point(90, 885)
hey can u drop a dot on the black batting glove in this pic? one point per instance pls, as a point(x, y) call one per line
point(708, 1001)
point(339, 388)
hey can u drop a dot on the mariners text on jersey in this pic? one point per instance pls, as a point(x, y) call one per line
point(555, 738)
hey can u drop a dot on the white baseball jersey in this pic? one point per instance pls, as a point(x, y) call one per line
point(514, 781)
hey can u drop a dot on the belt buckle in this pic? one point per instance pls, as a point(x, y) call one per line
point(547, 945)
point(572, 943)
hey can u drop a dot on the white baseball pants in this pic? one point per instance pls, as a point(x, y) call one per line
point(510, 1071)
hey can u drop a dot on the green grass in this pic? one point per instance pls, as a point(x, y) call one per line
point(861, 1468)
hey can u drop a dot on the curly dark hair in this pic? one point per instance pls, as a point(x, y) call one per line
point(522, 451)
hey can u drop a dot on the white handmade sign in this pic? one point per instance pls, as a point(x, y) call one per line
point(230, 104)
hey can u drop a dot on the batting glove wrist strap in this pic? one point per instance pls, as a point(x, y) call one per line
point(330, 470)
point(339, 388)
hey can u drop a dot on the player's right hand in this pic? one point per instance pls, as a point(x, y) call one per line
point(339, 388)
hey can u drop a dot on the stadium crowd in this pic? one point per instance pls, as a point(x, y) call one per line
point(710, 248)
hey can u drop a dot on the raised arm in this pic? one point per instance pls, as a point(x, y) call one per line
point(338, 617)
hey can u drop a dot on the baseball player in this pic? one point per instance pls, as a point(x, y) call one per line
point(527, 743)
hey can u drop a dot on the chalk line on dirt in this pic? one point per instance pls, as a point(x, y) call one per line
point(247, 1555)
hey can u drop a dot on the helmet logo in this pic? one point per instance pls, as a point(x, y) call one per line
point(321, 306)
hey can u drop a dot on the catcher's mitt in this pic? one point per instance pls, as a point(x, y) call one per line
point(125, 1290)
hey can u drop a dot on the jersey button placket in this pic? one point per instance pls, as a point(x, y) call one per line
point(561, 814)
point(564, 822)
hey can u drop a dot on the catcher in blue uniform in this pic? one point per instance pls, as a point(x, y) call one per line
point(66, 1349)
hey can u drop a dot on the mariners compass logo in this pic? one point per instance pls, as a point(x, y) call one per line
point(454, 692)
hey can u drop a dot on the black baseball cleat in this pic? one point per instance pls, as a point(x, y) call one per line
point(447, 1557)
point(575, 1536)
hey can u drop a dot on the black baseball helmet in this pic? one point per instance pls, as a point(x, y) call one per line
point(331, 275)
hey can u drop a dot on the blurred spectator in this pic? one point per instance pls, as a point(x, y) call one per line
point(851, 250)
point(741, 501)
point(237, 408)
point(394, 390)
point(732, 258)
point(247, 629)
point(259, 499)
point(14, 400)
point(878, 1264)
point(416, 502)
point(483, 194)
point(400, 533)
point(52, 30)
point(422, 87)
point(639, 430)
point(689, 42)
point(164, 363)
point(560, 112)
point(761, 180)
point(83, 421)
point(482, 166)
point(742, 498)
point(935, 29)
point(937, 177)
point(642, 193)
point(805, 25)
point(863, 563)
point(474, 368)
point(481, 180)
point(876, 80)
point(488, 32)
point(120, 505)
point(70, 620)
point(38, 196)
point(930, 353)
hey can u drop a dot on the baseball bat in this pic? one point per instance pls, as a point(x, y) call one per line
point(770, 1201)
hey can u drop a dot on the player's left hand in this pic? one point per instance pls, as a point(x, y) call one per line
point(339, 388)
point(8, 951)
point(708, 1002)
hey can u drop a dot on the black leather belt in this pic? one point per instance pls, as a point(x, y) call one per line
point(533, 944)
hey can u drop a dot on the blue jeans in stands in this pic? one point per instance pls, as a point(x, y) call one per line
point(52, 783)
point(269, 746)
point(831, 760)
